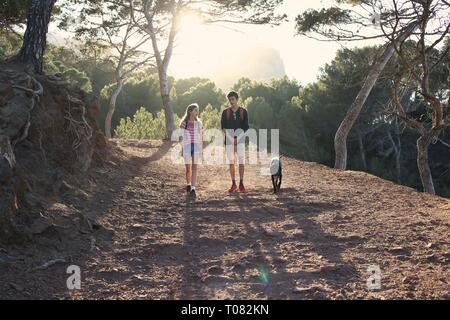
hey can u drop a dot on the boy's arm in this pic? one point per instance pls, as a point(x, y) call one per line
point(222, 120)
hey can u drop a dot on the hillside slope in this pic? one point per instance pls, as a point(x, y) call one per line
point(313, 240)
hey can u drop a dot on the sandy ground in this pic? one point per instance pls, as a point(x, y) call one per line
point(315, 239)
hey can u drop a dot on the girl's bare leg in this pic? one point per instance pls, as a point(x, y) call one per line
point(188, 174)
point(194, 174)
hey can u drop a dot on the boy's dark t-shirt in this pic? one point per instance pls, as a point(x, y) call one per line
point(235, 121)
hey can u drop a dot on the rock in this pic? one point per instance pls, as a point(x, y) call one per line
point(66, 187)
point(217, 279)
point(16, 287)
point(312, 289)
point(280, 260)
point(406, 280)
point(20, 185)
point(432, 257)
point(255, 245)
point(84, 224)
point(270, 233)
point(92, 106)
point(33, 200)
point(215, 270)
point(444, 280)
point(92, 244)
point(399, 250)
point(6, 92)
point(40, 225)
point(96, 225)
point(81, 194)
point(137, 225)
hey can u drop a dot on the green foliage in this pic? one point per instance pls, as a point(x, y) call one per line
point(76, 66)
point(275, 93)
point(260, 113)
point(62, 61)
point(13, 12)
point(326, 101)
point(10, 44)
point(78, 78)
point(210, 117)
point(139, 91)
point(85, 65)
point(184, 85)
point(204, 93)
point(143, 90)
point(143, 126)
point(311, 19)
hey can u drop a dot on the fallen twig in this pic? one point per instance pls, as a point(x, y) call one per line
point(47, 264)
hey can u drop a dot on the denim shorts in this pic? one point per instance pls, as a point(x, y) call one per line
point(194, 150)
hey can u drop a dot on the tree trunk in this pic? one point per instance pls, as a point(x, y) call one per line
point(363, 155)
point(306, 147)
point(398, 168)
point(112, 107)
point(340, 139)
point(165, 95)
point(35, 38)
point(397, 153)
point(422, 163)
point(163, 64)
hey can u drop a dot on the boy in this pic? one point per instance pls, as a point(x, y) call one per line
point(234, 118)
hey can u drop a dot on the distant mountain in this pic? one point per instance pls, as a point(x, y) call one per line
point(257, 63)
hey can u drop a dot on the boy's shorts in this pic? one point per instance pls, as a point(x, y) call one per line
point(234, 152)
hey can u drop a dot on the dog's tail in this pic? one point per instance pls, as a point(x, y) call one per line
point(281, 155)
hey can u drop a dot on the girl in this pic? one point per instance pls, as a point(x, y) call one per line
point(192, 145)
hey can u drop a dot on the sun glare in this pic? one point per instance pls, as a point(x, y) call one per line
point(205, 50)
point(190, 21)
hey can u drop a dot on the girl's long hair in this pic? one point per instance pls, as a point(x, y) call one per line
point(189, 109)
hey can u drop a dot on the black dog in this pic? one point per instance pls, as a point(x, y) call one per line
point(275, 171)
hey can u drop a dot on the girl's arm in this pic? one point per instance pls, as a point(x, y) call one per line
point(200, 127)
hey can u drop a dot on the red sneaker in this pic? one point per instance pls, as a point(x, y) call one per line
point(242, 188)
point(233, 187)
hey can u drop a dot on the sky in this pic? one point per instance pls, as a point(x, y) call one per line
point(212, 51)
point(208, 50)
point(204, 47)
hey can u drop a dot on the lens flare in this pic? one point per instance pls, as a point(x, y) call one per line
point(264, 277)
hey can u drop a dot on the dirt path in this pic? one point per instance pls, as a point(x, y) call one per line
point(314, 240)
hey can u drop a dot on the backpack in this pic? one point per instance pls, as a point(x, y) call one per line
point(241, 113)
